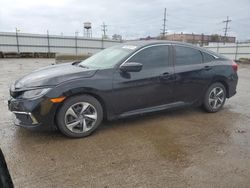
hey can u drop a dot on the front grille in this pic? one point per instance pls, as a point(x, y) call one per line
point(15, 106)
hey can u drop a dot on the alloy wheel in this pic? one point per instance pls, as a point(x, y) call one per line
point(80, 117)
point(216, 97)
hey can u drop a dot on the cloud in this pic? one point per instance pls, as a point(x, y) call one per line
point(130, 18)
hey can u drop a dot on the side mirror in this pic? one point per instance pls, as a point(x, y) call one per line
point(131, 67)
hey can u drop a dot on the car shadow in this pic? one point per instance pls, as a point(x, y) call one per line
point(106, 124)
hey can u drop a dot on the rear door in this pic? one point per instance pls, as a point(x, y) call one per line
point(192, 75)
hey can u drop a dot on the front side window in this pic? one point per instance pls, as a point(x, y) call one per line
point(187, 56)
point(152, 57)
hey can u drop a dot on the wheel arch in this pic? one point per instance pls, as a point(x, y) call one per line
point(223, 82)
point(72, 93)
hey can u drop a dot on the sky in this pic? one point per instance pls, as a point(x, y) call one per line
point(129, 18)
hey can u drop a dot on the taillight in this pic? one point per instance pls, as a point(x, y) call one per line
point(234, 66)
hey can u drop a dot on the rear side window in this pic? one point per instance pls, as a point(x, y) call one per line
point(187, 56)
point(207, 58)
point(152, 57)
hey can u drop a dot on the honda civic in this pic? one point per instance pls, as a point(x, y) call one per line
point(124, 80)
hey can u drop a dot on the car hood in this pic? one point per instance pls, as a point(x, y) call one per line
point(53, 75)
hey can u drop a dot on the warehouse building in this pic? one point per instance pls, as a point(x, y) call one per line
point(199, 38)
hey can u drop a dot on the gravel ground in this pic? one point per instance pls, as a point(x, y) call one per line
point(180, 148)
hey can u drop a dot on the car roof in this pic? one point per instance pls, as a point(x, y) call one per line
point(152, 42)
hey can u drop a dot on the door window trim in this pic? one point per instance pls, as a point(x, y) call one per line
point(201, 50)
point(174, 56)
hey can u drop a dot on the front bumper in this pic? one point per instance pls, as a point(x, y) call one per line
point(34, 114)
point(24, 119)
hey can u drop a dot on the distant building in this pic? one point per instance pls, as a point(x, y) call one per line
point(199, 38)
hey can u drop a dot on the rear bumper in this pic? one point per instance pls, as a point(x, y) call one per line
point(232, 85)
point(33, 114)
point(232, 93)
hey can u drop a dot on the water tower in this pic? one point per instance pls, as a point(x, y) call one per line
point(87, 29)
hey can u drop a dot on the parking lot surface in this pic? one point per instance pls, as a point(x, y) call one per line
point(178, 148)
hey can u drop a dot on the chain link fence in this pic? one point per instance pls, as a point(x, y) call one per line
point(22, 43)
point(235, 51)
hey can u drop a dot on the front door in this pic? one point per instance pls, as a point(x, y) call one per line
point(150, 87)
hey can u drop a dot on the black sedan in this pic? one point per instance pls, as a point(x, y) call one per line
point(124, 80)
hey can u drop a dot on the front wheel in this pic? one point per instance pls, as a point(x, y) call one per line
point(215, 97)
point(79, 116)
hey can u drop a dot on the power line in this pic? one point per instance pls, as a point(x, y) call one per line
point(193, 22)
point(226, 28)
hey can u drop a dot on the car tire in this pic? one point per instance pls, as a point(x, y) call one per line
point(79, 116)
point(215, 97)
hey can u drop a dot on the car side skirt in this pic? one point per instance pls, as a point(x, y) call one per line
point(153, 109)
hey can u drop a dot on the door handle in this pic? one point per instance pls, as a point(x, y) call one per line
point(207, 68)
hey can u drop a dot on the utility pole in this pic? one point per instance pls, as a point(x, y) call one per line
point(226, 28)
point(104, 30)
point(164, 30)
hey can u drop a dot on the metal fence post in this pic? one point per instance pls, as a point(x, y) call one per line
point(48, 43)
point(17, 41)
point(102, 43)
point(236, 51)
point(76, 33)
point(217, 50)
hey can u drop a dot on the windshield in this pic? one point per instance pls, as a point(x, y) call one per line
point(109, 57)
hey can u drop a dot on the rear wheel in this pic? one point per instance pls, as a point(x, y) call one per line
point(79, 116)
point(215, 97)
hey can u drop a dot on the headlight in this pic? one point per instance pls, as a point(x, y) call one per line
point(34, 93)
